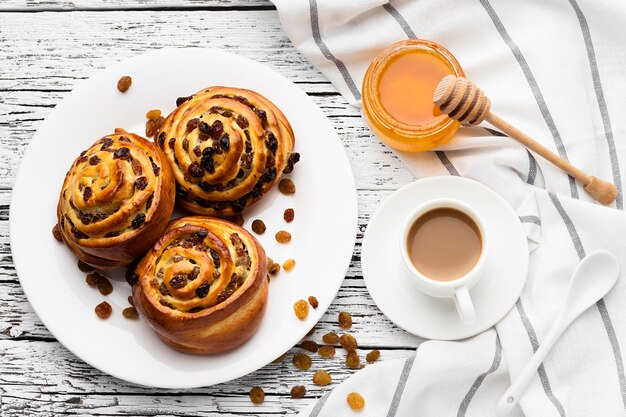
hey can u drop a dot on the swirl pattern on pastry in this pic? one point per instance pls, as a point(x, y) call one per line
point(203, 286)
point(116, 200)
point(227, 148)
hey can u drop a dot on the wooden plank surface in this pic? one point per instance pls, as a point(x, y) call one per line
point(43, 56)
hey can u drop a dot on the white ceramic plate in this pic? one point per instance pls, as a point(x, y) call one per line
point(325, 205)
point(389, 281)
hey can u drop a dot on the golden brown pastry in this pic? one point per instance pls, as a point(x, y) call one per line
point(116, 200)
point(227, 148)
point(203, 286)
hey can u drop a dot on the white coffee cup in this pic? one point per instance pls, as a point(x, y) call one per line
point(458, 289)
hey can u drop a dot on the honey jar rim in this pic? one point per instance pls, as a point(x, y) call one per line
point(372, 104)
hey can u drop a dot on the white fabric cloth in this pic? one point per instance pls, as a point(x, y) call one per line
point(556, 70)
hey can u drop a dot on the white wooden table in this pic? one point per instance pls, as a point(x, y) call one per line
point(46, 48)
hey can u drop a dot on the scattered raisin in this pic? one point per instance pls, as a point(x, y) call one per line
point(283, 237)
point(313, 301)
point(355, 401)
point(131, 277)
point(85, 267)
point(153, 126)
point(289, 264)
point(372, 356)
point(131, 301)
point(138, 220)
point(103, 310)
point(258, 227)
point(326, 351)
point(257, 396)
point(124, 83)
point(298, 391)
point(153, 114)
point(286, 186)
point(92, 279)
point(121, 153)
point(352, 360)
point(141, 183)
point(289, 215)
point(301, 308)
point(104, 285)
point(309, 345)
point(273, 269)
point(130, 313)
point(56, 232)
point(345, 320)
point(302, 361)
point(94, 160)
point(330, 338)
point(280, 358)
point(348, 342)
point(321, 378)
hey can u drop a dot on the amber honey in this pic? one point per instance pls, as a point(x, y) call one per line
point(398, 95)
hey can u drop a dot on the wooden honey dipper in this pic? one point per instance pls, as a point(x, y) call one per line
point(462, 100)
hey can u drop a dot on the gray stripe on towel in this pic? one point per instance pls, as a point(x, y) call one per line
point(597, 84)
point(530, 219)
point(317, 37)
point(397, 395)
point(532, 169)
point(543, 376)
point(446, 163)
point(604, 313)
point(530, 78)
point(400, 19)
point(320, 404)
point(497, 358)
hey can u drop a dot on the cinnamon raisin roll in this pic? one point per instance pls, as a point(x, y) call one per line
point(116, 200)
point(227, 148)
point(203, 286)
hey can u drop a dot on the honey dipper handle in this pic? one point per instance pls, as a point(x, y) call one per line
point(604, 192)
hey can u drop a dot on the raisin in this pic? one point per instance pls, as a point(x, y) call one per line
point(289, 215)
point(131, 301)
point(202, 233)
point(242, 121)
point(87, 193)
point(372, 356)
point(124, 83)
point(163, 290)
point(313, 301)
point(138, 220)
point(352, 360)
point(153, 126)
point(302, 361)
point(257, 396)
point(321, 378)
point(180, 191)
point(161, 139)
point(355, 401)
point(130, 313)
point(79, 235)
point(263, 116)
point(238, 220)
point(92, 279)
point(85, 267)
point(289, 264)
point(194, 273)
point(203, 290)
point(269, 174)
point(106, 144)
point(298, 391)
point(258, 227)
point(309, 345)
point(153, 114)
point(301, 308)
point(207, 163)
point(271, 142)
point(217, 128)
point(179, 281)
point(195, 170)
point(171, 143)
point(193, 124)
point(286, 186)
point(348, 342)
point(56, 232)
point(330, 338)
point(227, 114)
point(280, 358)
point(121, 153)
point(104, 285)
point(131, 277)
point(141, 183)
point(185, 144)
point(345, 320)
point(225, 142)
point(94, 160)
point(103, 310)
point(136, 166)
point(113, 233)
point(273, 269)
point(155, 168)
point(181, 100)
point(326, 351)
point(283, 237)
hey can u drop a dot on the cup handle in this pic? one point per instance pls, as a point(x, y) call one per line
point(464, 305)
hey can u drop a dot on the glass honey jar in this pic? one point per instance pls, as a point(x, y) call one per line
point(398, 92)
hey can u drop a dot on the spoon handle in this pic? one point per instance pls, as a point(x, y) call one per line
point(512, 396)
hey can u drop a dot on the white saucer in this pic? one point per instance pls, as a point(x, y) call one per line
point(389, 282)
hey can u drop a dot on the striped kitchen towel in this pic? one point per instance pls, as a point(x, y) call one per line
point(556, 69)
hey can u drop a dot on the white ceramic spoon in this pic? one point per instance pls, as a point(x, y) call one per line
point(593, 278)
